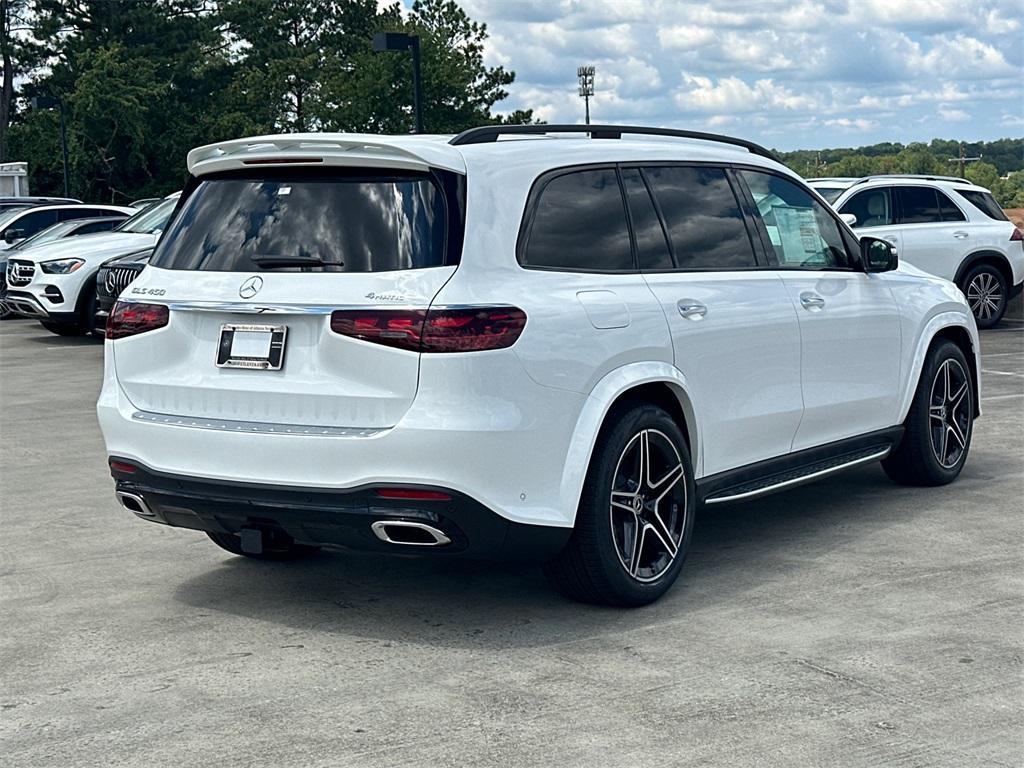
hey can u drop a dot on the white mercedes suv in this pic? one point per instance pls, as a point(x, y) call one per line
point(554, 342)
point(56, 282)
point(943, 224)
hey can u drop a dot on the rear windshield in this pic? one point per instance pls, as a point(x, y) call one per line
point(371, 222)
point(831, 194)
point(985, 203)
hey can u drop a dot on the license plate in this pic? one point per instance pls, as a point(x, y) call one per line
point(258, 347)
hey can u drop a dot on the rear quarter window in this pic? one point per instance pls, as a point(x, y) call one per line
point(332, 222)
point(984, 202)
point(579, 224)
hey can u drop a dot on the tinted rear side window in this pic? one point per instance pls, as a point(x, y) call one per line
point(342, 223)
point(985, 203)
point(579, 224)
point(918, 205)
point(948, 209)
point(703, 218)
point(651, 246)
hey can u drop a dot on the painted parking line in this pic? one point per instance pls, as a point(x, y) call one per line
point(986, 399)
point(1002, 373)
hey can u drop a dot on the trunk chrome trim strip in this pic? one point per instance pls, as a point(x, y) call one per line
point(254, 427)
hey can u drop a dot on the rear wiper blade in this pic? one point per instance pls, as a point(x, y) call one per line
point(269, 260)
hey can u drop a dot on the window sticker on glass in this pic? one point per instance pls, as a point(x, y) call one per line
point(798, 233)
point(284, 191)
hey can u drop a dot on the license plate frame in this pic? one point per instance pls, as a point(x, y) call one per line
point(274, 359)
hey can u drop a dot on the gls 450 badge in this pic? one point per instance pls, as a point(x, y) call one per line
point(149, 291)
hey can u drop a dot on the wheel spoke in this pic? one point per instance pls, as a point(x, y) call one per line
point(958, 399)
point(644, 479)
point(623, 500)
point(954, 429)
point(639, 533)
point(661, 530)
point(664, 486)
point(937, 412)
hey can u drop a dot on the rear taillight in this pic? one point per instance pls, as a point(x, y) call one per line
point(467, 329)
point(129, 318)
point(1017, 235)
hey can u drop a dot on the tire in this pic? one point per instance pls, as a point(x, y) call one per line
point(63, 329)
point(987, 294)
point(599, 564)
point(277, 547)
point(940, 423)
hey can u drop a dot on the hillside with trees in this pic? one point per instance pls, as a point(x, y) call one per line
point(1001, 167)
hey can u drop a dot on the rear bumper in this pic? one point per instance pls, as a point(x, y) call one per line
point(511, 453)
point(331, 518)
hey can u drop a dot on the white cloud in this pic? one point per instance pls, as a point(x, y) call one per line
point(859, 124)
point(731, 94)
point(684, 37)
point(799, 72)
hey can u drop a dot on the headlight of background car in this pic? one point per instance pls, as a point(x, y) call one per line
point(60, 266)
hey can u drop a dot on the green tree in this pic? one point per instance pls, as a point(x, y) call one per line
point(18, 55)
point(983, 174)
point(140, 81)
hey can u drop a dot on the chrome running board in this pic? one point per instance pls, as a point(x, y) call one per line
point(813, 472)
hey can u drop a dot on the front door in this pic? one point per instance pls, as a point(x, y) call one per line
point(849, 322)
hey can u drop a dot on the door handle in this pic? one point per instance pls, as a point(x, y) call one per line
point(690, 309)
point(960, 235)
point(811, 301)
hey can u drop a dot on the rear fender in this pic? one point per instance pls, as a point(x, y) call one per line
point(594, 412)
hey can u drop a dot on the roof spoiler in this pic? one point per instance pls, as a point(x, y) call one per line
point(326, 149)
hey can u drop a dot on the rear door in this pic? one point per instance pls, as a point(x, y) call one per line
point(735, 334)
point(934, 232)
point(253, 266)
point(849, 323)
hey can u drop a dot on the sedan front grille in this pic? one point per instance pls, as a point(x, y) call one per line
point(20, 272)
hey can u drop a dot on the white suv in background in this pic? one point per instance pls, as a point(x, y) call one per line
point(520, 341)
point(943, 225)
point(56, 282)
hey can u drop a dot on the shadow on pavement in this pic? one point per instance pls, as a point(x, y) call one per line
point(462, 603)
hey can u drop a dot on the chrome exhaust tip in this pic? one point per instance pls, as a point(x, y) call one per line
point(409, 533)
point(135, 504)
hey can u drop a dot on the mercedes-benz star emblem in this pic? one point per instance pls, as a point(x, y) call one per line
point(110, 282)
point(250, 287)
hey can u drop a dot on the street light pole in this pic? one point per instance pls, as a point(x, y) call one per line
point(586, 78)
point(49, 102)
point(399, 41)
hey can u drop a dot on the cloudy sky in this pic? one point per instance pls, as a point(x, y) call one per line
point(790, 73)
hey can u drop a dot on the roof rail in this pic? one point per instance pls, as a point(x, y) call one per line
point(489, 133)
point(923, 176)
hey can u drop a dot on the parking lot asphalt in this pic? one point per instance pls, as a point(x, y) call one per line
point(847, 623)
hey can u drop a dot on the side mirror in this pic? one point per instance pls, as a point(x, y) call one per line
point(849, 219)
point(877, 255)
point(13, 235)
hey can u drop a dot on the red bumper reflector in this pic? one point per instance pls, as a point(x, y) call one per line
point(121, 466)
point(412, 494)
